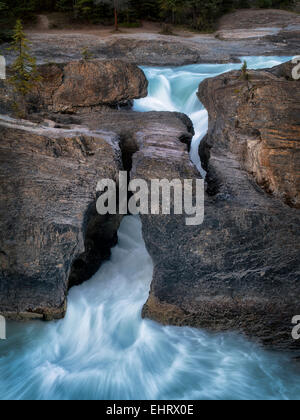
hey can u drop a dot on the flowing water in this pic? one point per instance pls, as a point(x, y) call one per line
point(174, 89)
point(104, 350)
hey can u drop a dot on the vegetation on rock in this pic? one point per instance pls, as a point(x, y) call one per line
point(86, 54)
point(245, 75)
point(24, 70)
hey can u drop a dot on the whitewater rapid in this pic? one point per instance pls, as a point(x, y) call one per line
point(104, 350)
point(175, 89)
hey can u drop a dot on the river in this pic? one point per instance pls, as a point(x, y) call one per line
point(103, 349)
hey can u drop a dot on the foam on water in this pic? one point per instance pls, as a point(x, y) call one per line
point(104, 350)
point(175, 90)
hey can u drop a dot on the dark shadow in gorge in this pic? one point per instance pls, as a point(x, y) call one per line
point(101, 232)
point(101, 236)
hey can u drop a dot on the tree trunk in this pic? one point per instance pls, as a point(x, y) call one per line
point(116, 20)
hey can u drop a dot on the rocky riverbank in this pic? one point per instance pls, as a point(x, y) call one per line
point(159, 50)
point(240, 269)
point(51, 235)
point(256, 117)
point(244, 33)
point(49, 226)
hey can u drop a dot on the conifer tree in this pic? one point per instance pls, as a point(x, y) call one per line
point(24, 69)
point(245, 75)
point(84, 8)
point(117, 6)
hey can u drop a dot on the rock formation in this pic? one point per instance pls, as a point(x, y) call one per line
point(48, 222)
point(256, 116)
point(87, 84)
point(51, 236)
point(240, 270)
point(80, 86)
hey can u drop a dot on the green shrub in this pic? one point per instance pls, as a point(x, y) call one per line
point(245, 75)
point(130, 25)
point(86, 54)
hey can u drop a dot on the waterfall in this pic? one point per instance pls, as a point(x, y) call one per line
point(104, 350)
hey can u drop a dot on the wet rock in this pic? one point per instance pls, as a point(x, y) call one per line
point(50, 234)
point(258, 120)
point(240, 269)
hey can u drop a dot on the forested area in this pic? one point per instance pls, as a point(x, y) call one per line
point(197, 14)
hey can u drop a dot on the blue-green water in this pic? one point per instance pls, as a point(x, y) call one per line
point(174, 89)
point(104, 350)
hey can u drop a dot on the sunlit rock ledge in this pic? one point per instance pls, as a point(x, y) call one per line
point(80, 86)
point(258, 121)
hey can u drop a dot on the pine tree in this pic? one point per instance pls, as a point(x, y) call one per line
point(117, 6)
point(84, 8)
point(24, 69)
point(173, 7)
point(245, 75)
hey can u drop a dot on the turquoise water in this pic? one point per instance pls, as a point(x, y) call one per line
point(104, 350)
point(174, 89)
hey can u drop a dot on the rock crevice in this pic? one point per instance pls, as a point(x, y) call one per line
point(258, 121)
point(239, 270)
point(48, 181)
point(52, 237)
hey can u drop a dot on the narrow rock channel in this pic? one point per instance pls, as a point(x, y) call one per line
point(103, 349)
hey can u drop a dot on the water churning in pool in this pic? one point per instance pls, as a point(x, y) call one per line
point(104, 350)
